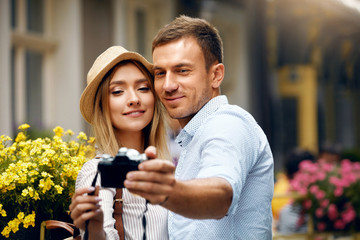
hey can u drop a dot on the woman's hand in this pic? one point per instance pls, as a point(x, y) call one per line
point(87, 207)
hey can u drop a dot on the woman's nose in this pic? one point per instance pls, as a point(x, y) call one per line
point(133, 99)
point(134, 102)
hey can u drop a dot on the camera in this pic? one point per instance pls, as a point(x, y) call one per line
point(113, 170)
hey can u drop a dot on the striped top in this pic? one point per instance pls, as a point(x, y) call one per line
point(133, 209)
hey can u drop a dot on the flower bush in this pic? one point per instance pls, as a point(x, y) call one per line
point(38, 176)
point(330, 194)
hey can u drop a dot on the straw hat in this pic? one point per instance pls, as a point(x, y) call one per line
point(103, 64)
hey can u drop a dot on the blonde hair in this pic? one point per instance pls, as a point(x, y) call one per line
point(154, 133)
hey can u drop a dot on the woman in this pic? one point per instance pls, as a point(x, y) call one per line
point(120, 104)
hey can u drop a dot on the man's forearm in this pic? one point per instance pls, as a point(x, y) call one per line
point(208, 198)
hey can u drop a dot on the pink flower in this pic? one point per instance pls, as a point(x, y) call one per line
point(338, 191)
point(356, 166)
point(324, 184)
point(339, 224)
point(308, 166)
point(324, 203)
point(320, 195)
point(296, 184)
point(301, 220)
point(327, 167)
point(346, 165)
point(321, 226)
point(314, 189)
point(320, 176)
point(335, 181)
point(307, 204)
point(348, 215)
point(332, 212)
point(319, 212)
point(348, 179)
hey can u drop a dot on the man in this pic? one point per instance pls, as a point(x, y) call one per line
point(223, 184)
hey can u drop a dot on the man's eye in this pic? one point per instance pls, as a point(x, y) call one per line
point(183, 70)
point(159, 73)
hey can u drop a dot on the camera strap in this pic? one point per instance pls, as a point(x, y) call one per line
point(144, 219)
point(118, 211)
point(86, 235)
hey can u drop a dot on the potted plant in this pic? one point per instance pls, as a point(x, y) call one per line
point(37, 179)
point(329, 193)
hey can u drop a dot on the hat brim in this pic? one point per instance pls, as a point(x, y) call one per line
point(102, 65)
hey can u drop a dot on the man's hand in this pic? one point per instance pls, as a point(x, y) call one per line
point(155, 180)
point(206, 198)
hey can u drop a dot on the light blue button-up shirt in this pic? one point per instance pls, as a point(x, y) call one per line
point(224, 140)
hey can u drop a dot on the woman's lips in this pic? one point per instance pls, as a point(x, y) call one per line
point(135, 113)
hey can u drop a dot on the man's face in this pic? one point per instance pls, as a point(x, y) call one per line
point(181, 80)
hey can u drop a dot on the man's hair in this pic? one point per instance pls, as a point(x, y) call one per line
point(207, 37)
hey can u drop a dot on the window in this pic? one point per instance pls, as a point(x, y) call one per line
point(140, 30)
point(29, 48)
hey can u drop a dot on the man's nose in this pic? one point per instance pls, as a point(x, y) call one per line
point(170, 83)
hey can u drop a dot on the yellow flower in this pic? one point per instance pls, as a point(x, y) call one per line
point(3, 140)
point(58, 131)
point(29, 220)
point(14, 225)
point(69, 132)
point(91, 140)
point(59, 189)
point(43, 169)
point(21, 216)
point(24, 126)
point(82, 136)
point(6, 232)
point(24, 192)
point(2, 211)
point(35, 196)
point(20, 137)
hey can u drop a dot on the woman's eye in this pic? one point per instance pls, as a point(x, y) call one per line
point(144, 89)
point(116, 92)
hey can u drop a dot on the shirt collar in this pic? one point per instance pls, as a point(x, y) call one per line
point(193, 125)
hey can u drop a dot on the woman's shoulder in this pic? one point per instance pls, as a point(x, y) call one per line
point(87, 172)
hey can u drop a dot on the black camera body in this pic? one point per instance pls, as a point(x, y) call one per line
point(113, 170)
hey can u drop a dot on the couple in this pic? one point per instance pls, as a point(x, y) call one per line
point(223, 183)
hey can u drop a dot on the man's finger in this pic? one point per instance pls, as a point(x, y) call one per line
point(151, 152)
point(151, 177)
point(157, 165)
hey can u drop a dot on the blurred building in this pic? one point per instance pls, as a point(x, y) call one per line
point(314, 63)
point(48, 46)
point(294, 65)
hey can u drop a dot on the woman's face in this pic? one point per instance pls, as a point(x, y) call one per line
point(131, 101)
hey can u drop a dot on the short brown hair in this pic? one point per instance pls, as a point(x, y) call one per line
point(206, 35)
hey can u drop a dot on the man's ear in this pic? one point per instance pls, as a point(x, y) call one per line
point(218, 71)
